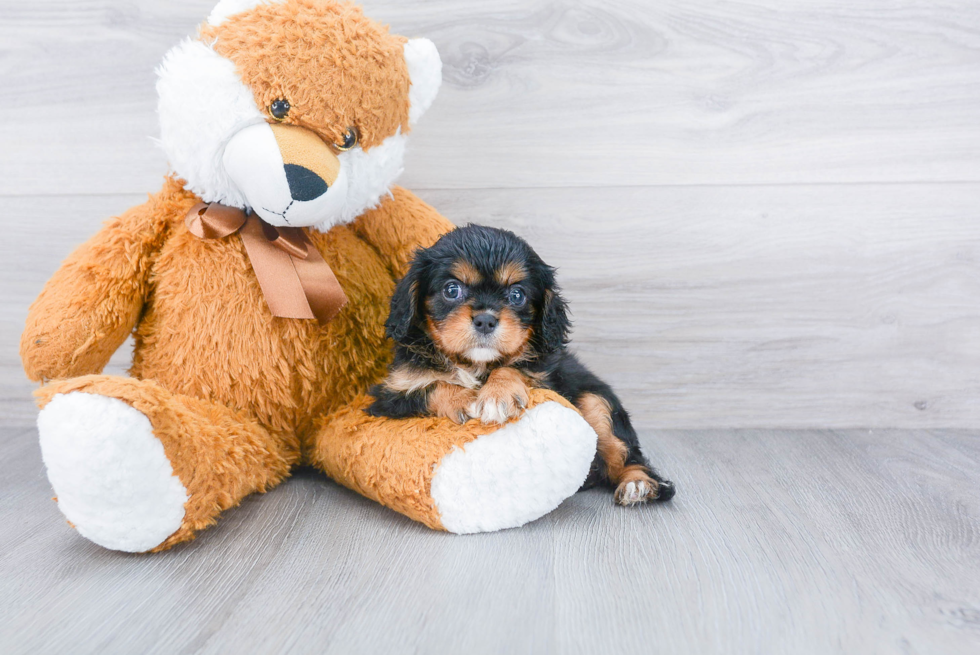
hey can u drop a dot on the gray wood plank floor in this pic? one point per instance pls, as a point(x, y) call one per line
point(765, 215)
point(826, 541)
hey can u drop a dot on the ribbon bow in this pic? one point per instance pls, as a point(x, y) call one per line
point(295, 280)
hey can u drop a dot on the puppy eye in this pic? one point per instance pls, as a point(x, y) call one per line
point(279, 109)
point(516, 297)
point(350, 140)
point(453, 290)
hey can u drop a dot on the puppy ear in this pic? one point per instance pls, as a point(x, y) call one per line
point(555, 324)
point(404, 303)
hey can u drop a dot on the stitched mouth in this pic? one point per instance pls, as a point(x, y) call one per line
point(281, 214)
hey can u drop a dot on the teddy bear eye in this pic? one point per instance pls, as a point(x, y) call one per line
point(279, 109)
point(350, 140)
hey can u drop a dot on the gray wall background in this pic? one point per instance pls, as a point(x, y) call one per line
point(765, 213)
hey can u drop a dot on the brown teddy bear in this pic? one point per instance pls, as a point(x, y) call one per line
point(256, 284)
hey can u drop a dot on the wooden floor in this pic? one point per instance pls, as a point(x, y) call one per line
point(766, 216)
point(778, 541)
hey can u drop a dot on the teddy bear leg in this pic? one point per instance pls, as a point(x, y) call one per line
point(465, 478)
point(136, 468)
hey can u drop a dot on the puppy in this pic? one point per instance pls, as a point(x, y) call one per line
point(477, 321)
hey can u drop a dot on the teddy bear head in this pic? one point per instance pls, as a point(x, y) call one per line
point(295, 109)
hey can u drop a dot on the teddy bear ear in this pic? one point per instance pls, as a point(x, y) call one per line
point(226, 8)
point(425, 72)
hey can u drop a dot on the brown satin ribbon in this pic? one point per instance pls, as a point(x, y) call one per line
point(295, 280)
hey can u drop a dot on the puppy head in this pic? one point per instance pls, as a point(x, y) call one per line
point(481, 295)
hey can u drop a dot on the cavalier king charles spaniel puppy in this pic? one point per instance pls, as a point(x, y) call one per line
point(478, 320)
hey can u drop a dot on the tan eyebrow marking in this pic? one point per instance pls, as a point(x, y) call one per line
point(466, 273)
point(510, 273)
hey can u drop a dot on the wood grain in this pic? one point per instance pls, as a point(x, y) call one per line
point(805, 306)
point(585, 93)
point(786, 306)
point(778, 541)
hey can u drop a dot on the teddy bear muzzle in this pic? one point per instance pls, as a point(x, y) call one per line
point(288, 174)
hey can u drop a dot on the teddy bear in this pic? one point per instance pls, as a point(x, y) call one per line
point(255, 284)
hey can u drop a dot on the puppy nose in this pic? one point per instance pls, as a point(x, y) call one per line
point(304, 184)
point(485, 323)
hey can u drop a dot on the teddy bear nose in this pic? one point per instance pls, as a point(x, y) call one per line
point(485, 323)
point(304, 184)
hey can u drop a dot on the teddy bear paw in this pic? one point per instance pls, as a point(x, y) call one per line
point(112, 478)
point(515, 474)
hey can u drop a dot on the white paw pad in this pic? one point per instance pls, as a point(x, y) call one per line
point(110, 473)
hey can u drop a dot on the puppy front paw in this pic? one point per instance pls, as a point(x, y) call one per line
point(490, 410)
point(452, 402)
point(504, 396)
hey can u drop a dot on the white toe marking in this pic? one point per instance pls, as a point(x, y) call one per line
point(109, 471)
point(635, 492)
point(517, 474)
point(489, 412)
point(494, 412)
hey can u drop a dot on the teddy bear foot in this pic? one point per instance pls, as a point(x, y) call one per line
point(113, 480)
point(516, 474)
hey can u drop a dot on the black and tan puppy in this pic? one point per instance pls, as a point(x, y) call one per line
point(478, 320)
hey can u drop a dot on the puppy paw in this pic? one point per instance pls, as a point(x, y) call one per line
point(452, 402)
point(490, 411)
point(641, 488)
point(635, 492)
point(504, 396)
point(666, 490)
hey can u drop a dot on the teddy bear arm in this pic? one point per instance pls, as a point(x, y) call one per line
point(92, 303)
point(400, 225)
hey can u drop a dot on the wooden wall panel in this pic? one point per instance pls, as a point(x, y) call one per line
point(543, 93)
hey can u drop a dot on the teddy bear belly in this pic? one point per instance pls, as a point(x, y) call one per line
point(207, 332)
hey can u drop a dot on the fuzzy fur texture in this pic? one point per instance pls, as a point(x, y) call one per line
point(234, 396)
point(425, 71)
point(231, 391)
point(336, 67)
point(477, 321)
point(202, 105)
point(516, 474)
point(369, 176)
point(494, 477)
point(215, 92)
point(219, 454)
point(113, 480)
